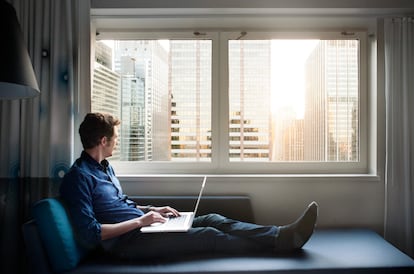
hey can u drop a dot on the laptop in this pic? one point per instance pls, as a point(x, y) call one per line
point(181, 223)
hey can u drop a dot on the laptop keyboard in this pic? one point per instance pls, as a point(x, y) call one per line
point(177, 220)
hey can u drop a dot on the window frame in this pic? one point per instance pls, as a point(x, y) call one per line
point(220, 163)
point(360, 167)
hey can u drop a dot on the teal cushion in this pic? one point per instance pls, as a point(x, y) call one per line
point(57, 235)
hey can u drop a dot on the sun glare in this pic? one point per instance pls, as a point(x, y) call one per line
point(288, 75)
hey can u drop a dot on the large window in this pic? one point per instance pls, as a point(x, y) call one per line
point(235, 102)
point(294, 100)
point(163, 97)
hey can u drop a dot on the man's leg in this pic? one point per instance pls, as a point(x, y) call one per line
point(214, 233)
point(262, 235)
point(284, 238)
point(199, 240)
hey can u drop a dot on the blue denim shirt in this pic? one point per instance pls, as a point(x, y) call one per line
point(94, 196)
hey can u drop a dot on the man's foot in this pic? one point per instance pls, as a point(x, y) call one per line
point(293, 236)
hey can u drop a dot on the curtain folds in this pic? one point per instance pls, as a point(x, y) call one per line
point(399, 93)
point(37, 138)
point(37, 134)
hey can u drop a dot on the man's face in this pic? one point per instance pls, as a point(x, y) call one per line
point(111, 144)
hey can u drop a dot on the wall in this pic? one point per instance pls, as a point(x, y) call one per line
point(344, 202)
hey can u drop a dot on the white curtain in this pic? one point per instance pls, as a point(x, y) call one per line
point(37, 134)
point(399, 93)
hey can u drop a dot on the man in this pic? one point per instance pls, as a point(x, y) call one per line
point(102, 215)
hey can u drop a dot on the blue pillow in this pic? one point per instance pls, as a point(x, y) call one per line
point(57, 235)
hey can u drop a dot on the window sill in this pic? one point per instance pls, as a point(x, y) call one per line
point(266, 177)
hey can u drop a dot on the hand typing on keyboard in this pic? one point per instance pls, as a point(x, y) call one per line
point(172, 220)
point(166, 211)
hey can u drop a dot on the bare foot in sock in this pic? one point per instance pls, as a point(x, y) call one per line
point(293, 236)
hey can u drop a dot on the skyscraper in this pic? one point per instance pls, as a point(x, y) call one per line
point(190, 93)
point(331, 112)
point(143, 65)
point(106, 85)
point(249, 93)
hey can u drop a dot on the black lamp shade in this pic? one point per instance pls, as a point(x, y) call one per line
point(17, 78)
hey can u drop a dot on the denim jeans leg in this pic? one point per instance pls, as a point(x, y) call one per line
point(198, 240)
point(263, 235)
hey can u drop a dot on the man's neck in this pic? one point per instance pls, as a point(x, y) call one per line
point(96, 154)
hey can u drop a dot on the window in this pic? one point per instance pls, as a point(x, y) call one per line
point(162, 95)
point(235, 102)
point(294, 100)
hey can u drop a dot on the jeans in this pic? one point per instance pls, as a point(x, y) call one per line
point(210, 234)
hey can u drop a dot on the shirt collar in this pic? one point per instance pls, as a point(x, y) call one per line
point(101, 166)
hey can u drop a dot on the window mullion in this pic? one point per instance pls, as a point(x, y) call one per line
point(222, 102)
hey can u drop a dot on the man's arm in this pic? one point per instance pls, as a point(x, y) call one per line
point(109, 231)
point(76, 192)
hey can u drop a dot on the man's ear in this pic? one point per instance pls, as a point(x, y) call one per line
point(103, 141)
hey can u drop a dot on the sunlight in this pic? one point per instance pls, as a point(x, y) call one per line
point(288, 74)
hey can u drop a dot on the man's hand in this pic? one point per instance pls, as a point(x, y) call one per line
point(150, 218)
point(166, 211)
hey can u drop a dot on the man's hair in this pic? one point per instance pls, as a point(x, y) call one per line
point(95, 126)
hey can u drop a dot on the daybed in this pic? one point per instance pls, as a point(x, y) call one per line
point(51, 247)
